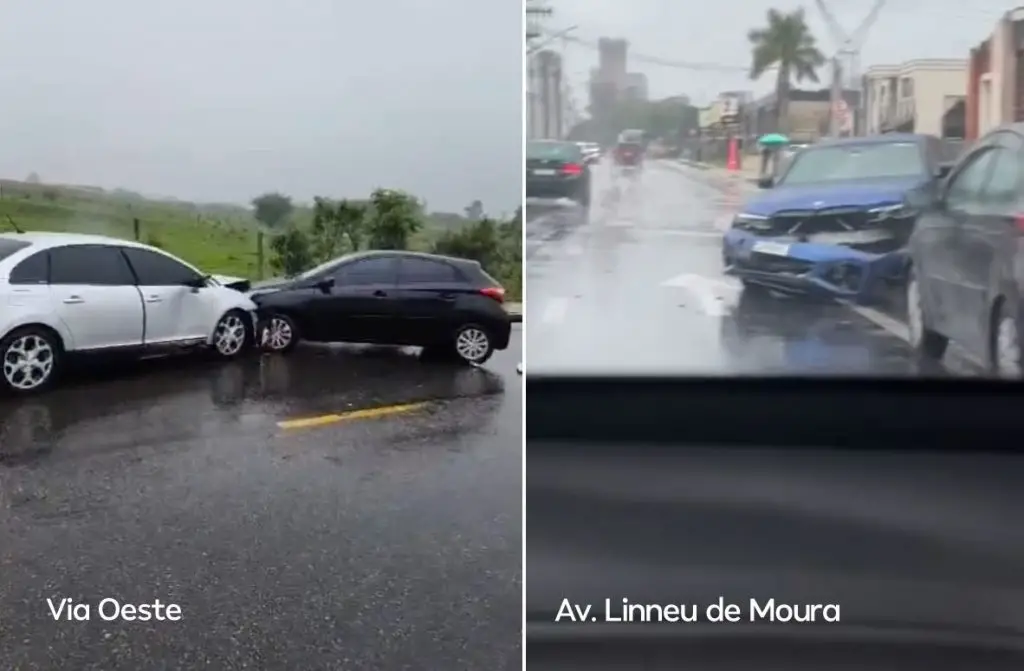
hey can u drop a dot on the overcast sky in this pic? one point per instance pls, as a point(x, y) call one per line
point(716, 32)
point(225, 99)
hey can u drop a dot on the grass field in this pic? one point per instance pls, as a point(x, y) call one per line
point(214, 237)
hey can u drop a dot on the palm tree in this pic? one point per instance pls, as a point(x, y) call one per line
point(786, 43)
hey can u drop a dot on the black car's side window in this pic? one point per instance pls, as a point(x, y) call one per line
point(426, 271)
point(97, 265)
point(965, 187)
point(33, 270)
point(158, 270)
point(364, 272)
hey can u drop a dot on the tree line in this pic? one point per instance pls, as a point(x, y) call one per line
point(389, 219)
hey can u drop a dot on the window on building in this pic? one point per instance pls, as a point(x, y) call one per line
point(906, 87)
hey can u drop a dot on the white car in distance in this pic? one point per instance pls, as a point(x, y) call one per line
point(64, 294)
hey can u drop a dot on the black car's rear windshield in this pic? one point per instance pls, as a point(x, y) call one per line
point(553, 151)
point(867, 160)
point(9, 246)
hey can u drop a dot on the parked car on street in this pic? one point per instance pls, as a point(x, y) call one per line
point(66, 294)
point(838, 219)
point(446, 305)
point(966, 256)
point(556, 169)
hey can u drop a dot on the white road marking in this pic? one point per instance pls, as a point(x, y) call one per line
point(555, 311)
point(715, 297)
point(879, 318)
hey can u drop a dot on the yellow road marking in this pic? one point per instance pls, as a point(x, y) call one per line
point(368, 413)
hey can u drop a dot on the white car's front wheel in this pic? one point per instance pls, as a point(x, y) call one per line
point(31, 359)
point(233, 334)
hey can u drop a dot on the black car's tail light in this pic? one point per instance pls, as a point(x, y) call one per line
point(494, 293)
point(572, 169)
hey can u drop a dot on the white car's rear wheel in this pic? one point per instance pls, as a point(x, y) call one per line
point(31, 357)
point(233, 335)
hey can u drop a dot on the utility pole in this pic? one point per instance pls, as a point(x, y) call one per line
point(849, 45)
point(836, 99)
point(536, 13)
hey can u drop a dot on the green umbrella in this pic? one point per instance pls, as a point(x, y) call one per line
point(773, 140)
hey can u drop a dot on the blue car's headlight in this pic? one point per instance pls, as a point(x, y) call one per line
point(895, 211)
point(751, 222)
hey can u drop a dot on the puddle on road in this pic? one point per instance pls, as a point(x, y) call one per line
point(178, 401)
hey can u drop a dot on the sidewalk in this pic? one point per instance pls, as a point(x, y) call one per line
point(750, 170)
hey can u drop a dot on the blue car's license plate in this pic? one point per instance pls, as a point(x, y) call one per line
point(773, 248)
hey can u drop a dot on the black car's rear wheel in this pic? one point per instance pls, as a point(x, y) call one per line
point(472, 344)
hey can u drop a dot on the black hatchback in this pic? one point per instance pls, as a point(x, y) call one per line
point(556, 169)
point(446, 305)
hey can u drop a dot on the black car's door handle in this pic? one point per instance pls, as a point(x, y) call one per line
point(448, 297)
point(380, 293)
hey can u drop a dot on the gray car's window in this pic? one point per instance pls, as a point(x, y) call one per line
point(98, 265)
point(1001, 192)
point(966, 185)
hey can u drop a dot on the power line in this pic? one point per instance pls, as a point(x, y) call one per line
point(654, 60)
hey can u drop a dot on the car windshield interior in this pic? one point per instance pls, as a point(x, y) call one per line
point(855, 161)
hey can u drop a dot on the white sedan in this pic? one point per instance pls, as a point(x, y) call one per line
point(67, 294)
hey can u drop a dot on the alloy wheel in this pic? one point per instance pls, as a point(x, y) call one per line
point(278, 334)
point(28, 362)
point(472, 344)
point(230, 336)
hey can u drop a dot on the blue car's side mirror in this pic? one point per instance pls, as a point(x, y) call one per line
point(765, 182)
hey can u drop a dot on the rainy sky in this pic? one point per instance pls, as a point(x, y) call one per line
point(716, 32)
point(220, 100)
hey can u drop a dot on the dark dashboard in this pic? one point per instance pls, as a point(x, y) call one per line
point(896, 502)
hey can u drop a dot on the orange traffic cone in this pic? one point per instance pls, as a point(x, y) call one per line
point(732, 161)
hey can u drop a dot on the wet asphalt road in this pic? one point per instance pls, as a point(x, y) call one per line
point(386, 543)
point(637, 287)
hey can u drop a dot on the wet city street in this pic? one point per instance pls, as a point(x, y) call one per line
point(638, 287)
point(337, 508)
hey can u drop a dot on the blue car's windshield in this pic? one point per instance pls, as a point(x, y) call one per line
point(854, 161)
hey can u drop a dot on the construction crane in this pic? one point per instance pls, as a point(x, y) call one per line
point(850, 44)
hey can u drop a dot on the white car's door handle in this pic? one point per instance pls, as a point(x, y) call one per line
point(74, 299)
point(154, 299)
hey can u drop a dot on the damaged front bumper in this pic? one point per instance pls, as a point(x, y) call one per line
point(852, 265)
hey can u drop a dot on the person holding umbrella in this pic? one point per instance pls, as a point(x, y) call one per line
point(770, 145)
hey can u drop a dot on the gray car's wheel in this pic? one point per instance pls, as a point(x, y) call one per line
point(926, 343)
point(31, 358)
point(1006, 349)
point(279, 333)
point(472, 344)
point(233, 335)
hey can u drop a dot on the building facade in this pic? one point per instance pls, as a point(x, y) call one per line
point(919, 96)
point(995, 78)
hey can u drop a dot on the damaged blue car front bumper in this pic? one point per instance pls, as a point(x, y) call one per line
point(827, 270)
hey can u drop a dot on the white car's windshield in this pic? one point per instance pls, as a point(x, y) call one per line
point(854, 161)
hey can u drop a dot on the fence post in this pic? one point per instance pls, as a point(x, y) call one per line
point(136, 228)
point(259, 255)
